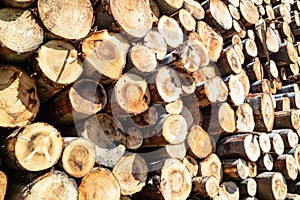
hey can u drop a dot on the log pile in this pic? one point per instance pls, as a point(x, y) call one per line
point(149, 99)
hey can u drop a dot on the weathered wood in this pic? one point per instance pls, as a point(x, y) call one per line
point(34, 147)
point(229, 190)
point(286, 55)
point(243, 146)
point(168, 26)
point(296, 153)
point(289, 137)
point(19, 101)
point(252, 169)
point(156, 43)
point(261, 86)
point(100, 183)
point(283, 103)
point(195, 8)
point(254, 70)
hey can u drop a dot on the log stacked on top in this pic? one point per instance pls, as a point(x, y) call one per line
point(154, 99)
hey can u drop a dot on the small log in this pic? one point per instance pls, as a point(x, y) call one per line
point(3, 184)
point(283, 103)
point(100, 183)
point(265, 162)
point(240, 53)
point(250, 48)
point(64, 25)
point(191, 164)
point(195, 8)
point(213, 16)
point(174, 107)
point(264, 142)
point(156, 43)
point(206, 187)
point(281, 10)
point(236, 90)
point(277, 145)
point(261, 86)
point(155, 11)
point(204, 73)
point(211, 166)
point(131, 173)
point(254, 70)
point(263, 110)
point(248, 187)
point(271, 185)
point(169, 7)
point(198, 142)
point(19, 101)
point(289, 137)
point(174, 129)
point(287, 119)
point(235, 169)
point(229, 62)
point(212, 91)
point(273, 70)
point(249, 13)
point(243, 146)
point(17, 46)
point(229, 190)
point(78, 156)
point(284, 29)
point(234, 11)
point(296, 153)
point(110, 62)
point(243, 78)
point(34, 147)
point(169, 26)
point(286, 55)
point(286, 164)
point(186, 20)
point(57, 66)
point(172, 171)
point(245, 119)
point(294, 99)
point(211, 39)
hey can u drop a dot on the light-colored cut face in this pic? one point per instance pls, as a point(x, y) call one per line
point(216, 90)
point(19, 31)
point(233, 60)
point(291, 167)
point(249, 11)
point(278, 143)
point(267, 109)
point(279, 187)
point(174, 129)
point(252, 148)
point(221, 13)
point(226, 117)
point(171, 31)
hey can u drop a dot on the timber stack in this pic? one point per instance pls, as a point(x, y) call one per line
point(150, 99)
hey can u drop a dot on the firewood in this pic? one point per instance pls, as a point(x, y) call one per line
point(286, 164)
point(195, 8)
point(34, 147)
point(229, 62)
point(229, 190)
point(168, 7)
point(261, 86)
point(78, 156)
point(51, 185)
point(17, 46)
point(212, 15)
point(271, 185)
point(243, 146)
point(186, 20)
point(211, 166)
point(236, 90)
point(284, 29)
point(263, 110)
point(131, 173)
point(100, 183)
point(290, 196)
point(264, 142)
point(240, 53)
point(198, 142)
point(191, 164)
point(174, 129)
point(265, 162)
point(254, 70)
point(3, 184)
point(235, 169)
point(211, 39)
point(286, 55)
point(212, 91)
point(109, 62)
point(289, 137)
point(206, 187)
point(248, 187)
point(57, 66)
point(19, 97)
point(250, 48)
point(287, 119)
point(175, 107)
point(157, 44)
point(273, 70)
point(249, 13)
point(68, 25)
point(245, 119)
point(204, 73)
point(277, 145)
point(243, 78)
point(155, 11)
point(168, 26)
point(219, 119)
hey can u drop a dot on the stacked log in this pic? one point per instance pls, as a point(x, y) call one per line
point(153, 99)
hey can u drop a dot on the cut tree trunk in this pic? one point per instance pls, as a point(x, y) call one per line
point(286, 164)
point(244, 118)
point(105, 53)
point(277, 145)
point(186, 20)
point(264, 142)
point(131, 173)
point(229, 62)
point(16, 46)
point(84, 98)
point(283, 103)
point(67, 24)
point(78, 157)
point(168, 6)
point(265, 162)
point(195, 8)
point(248, 187)
point(254, 70)
point(271, 185)
point(296, 153)
point(19, 101)
point(243, 146)
point(229, 190)
point(235, 169)
point(100, 183)
point(34, 147)
point(168, 26)
point(263, 110)
point(287, 119)
point(206, 187)
point(156, 43)
point(289, 137)
point(286, 55)
point(174, 129)
point(3, 184)
point(236, 90)
point(57, 65)
point(252, 169)
point(249, 13)
point(211, 166)
point(192, 165)
point(261, 86)
point(250, 48)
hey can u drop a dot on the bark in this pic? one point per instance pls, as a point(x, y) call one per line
point(168, 7)
point(254, 70)
point(19, 101)
point(249, 13)
point(287, 119)
point(286, 164)
point(206, 187)
point(248, 187)
point(261, 86)
point(191, 164)
point(265, 162)
point(289, 137)
point(286, 55)
point(283, 103)
point(235, 169)
point(229, 190)
point(16, 46)
point(195, 8)
point(34, 147)
point(100, 183)
point(229, 62)
point(17, 3)
point(65, 18)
